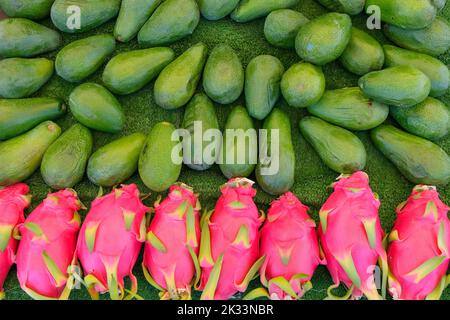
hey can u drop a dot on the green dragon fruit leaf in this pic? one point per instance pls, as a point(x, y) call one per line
point(90, 235)
point(437, 292)
point(263, 274)
point(211, 285)
point(243, 237)
point(332, 296)
point(132, 293)
point(401, 206)
point(150, 280)
point(5, 236)
point(369, 226)
point(16, 233)
point(113, 284)
point(191, 237)
point(35, 229)
point(323, 215)
point(91, 281)
point(426, 268)
point(285, 256)
point(179, 212)
point(155, 242)
point(142, 230)
point(100, 192)
point(284, 285)
point(36, 296)
point(196, 266)
point(307, 286)
point(355, 190)
point(128, 216)
point(431, 209)
point(205, 256)
point(171, 286)
point(349, 267)
point(441, 239)
point(393, 236)
point(256, 294)
point(59, 277)
point(252, 273)
point(385, 272)
point(118, 193)
point(237, 205)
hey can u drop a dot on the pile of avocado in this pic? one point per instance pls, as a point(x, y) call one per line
point(403, 81)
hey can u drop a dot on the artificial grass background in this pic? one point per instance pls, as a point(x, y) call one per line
point(312, 176)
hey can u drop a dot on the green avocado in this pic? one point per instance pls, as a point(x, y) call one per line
point(363, 53)
point(157, 169)
point(30, 9)
point(64, 162)
point(275, 171)
point(324, 39)
point(281, 27)
point(339, 149)
point(433, 40)
point(351, 109)
point(129, 72)
point(429, 119)
point(248, 10)
point(25, 38)
point(432, 67)
point(177, 83)
point(20, 115)
point(171, 21)
point(262, 85)
point(239, 153)
point(223, 78)
point(21, 77)
point(352, 7)
point(401, 86)
point(200, 113)
point(419, 160)
point(29, 148)
point(303, 85)
point(132, 16)
point(407, 14)
point(76, 16)
point(117, 161)
point(216, 9)
point(80, 59)
point(96, 108)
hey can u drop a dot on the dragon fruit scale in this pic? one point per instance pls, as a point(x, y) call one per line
point(418, 253)
point(13, 201)
point(289, 243)
point(110, 240)
point(46, 254)
point(229, 249)
point(173, 241)
point(351, 237)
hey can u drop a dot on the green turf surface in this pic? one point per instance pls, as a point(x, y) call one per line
point(312, 176)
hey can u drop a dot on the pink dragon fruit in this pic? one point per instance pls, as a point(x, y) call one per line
point(229, 248)
point(289, 243)
point(173, 241)
point(46, 254)
point(13, 201)
point(418, 253)
point(351, 236)
point(110, 240)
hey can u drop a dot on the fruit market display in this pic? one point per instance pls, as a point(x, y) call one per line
point(109, 190)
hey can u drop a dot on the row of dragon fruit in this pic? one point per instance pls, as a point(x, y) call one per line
point(222, 251)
